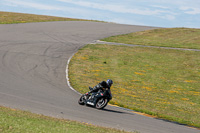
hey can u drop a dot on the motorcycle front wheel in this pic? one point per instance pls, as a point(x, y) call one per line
point(81, 101)
point(101, 103)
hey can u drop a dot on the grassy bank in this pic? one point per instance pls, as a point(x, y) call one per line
point(170, 37)
point(15, 121)
point(10, 18)
point(160, 82)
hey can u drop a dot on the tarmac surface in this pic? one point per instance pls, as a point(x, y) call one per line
point(33, 60)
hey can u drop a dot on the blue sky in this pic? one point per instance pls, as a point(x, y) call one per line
point(159, 13)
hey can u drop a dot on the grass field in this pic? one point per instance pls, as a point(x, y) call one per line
point(166, 37)
point(10, 18)
point(15, 121)
point(159, 82)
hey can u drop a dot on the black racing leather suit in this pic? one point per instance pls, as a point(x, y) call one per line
point(106, 91)
point(100, 86)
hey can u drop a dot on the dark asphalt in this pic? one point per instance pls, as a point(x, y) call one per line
point(33, 59)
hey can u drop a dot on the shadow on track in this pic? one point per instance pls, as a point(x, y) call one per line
point(119, 112)
point(110, 110)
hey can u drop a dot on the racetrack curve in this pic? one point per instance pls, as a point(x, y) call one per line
point(33, 59)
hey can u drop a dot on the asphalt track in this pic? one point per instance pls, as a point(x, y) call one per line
point(33, 59)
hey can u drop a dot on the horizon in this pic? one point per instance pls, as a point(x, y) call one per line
point(157, 13)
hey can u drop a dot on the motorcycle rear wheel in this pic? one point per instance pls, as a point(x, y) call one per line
point(101, 103)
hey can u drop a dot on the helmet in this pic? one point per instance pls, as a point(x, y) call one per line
point(109, 82)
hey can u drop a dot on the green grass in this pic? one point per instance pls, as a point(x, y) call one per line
point(11, 18)
point(15, 121)
point(169, 37)
point(159, 82)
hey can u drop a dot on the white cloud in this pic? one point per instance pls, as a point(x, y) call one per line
point(176, 3)
point(159, 6)
point(125, 21)
point(115, 7)
point(168, 17)
point(32, 5)
point(190, 10)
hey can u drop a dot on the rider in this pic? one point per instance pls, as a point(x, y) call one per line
point(102, 86)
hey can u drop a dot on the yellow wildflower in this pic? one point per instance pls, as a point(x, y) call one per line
point(138, 73)
point(96, 75)
point(82, 58)
point(148, 88)
point(95, 70)
point(173, 91)
point(189, 81)
point(192, 103)
point(185, 99)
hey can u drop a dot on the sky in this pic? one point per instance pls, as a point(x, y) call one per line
point(158, 13)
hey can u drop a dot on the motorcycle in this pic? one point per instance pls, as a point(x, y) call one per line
point(97, 99)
